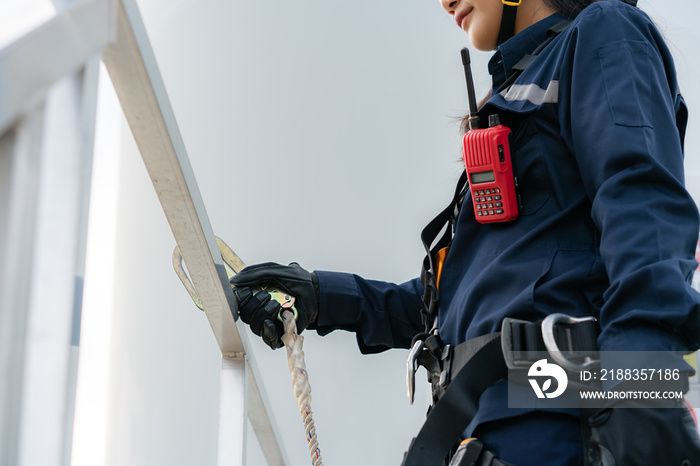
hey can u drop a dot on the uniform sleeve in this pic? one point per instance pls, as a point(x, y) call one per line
point(627, 140)
point(383, 315)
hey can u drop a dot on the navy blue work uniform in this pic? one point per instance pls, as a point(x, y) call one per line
point(606, 228)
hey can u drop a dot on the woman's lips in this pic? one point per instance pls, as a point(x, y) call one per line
point(461, 17)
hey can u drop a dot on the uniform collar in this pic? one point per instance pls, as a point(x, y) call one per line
point(511, 51)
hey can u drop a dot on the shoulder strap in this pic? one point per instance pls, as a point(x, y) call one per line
point(510, 13)
point(445, 220)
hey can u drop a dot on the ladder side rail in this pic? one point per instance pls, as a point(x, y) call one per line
point(42, 271)
point(132, 67)
point(20, 155)
point(48, 94)
point(55, 300)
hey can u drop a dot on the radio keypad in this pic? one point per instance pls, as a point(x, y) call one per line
point(485, 205)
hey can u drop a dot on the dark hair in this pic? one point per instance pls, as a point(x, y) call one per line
point(569, 8)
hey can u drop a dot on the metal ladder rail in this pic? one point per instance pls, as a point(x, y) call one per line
point(134, 72)
point(48, 82)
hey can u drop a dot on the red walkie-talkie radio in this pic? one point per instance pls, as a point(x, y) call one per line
point(487, 159)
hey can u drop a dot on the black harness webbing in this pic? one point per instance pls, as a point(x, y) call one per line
point(444, 220)
point(459, 404)
point(507, 30)
point(460, 375)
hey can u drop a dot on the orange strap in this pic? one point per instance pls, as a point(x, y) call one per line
point(439, 263)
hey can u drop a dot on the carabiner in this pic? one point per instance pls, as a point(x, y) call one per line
point(412, 367)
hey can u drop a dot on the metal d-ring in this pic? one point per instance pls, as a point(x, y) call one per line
point(551, 344)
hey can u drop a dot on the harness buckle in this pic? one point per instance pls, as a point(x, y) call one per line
point(557, 354)
point(446, 363)
point(507, 346)
point(412, 367)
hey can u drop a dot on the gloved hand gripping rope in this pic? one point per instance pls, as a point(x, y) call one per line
point(291, 340)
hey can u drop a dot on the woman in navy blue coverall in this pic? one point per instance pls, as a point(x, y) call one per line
point(606, 227)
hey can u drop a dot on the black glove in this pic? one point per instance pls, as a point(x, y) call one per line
point(642, 436)
point(261, 312)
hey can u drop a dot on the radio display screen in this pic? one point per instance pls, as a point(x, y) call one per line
point(482, 177)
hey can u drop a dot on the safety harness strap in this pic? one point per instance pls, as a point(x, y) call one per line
point(576, 340)
point(510, 13)
point(458, 406)
point(459, 375)
point(443, 221)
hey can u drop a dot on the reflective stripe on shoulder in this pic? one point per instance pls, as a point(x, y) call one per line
point(533, 93)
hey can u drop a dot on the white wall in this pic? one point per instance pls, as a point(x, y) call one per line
point(320, 132)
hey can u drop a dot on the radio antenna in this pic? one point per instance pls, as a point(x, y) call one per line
point(471, 96)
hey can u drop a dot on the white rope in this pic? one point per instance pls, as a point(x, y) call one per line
point(300, 382)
